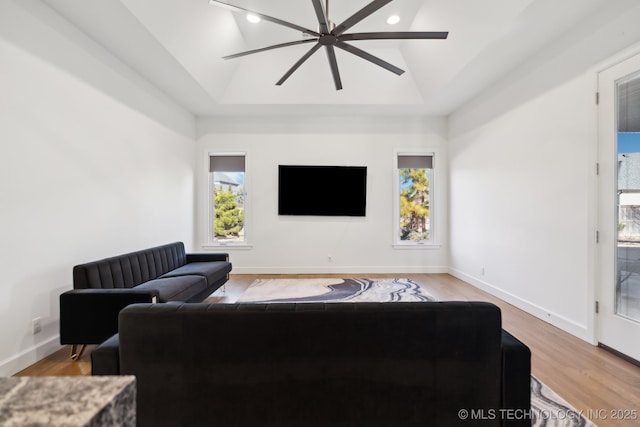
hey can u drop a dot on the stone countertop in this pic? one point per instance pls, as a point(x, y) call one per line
point(68, 401)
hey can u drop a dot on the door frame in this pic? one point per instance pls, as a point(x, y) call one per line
point(604, 253)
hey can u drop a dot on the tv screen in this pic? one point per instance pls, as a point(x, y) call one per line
point(322, 190)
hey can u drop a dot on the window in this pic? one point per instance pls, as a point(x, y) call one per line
point(413, 199)
point(227, 198)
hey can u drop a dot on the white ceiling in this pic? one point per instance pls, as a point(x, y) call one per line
point(178, 44)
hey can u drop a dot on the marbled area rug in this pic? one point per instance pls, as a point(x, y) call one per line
point(334, 290)
point(547, 408)
point(550, 410)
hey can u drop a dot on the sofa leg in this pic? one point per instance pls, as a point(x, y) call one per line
point(75, 354)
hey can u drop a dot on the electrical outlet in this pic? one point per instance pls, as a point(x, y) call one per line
point(36, 327)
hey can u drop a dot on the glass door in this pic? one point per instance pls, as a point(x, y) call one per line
point(619, 208)
point(628, 191)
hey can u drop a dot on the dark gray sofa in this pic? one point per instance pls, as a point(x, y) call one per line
point(89, 312)
point(320, 364)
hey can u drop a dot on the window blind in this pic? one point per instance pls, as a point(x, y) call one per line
point(224, 163)
point(415, 161)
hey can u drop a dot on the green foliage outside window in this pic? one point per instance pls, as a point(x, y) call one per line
point(414, 204)
point(229, 218)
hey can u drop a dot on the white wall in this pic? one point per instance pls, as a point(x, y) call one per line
point(522, 162)
point(303, 245)
point(94, 162)
point(520, 204)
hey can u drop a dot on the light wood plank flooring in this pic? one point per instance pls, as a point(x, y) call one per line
point(589, 378)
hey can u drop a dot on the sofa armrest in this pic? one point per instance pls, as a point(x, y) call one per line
point(105, 358)
point(207, 257)
point(90, 316)
point(515, 382)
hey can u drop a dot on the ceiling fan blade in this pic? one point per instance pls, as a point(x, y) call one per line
point(262, 49)
point(321, 14)
point(359, 16)
point(398, 35)
point(331, 54)
point(265, 17)
point(306, 56)
point(364, 55)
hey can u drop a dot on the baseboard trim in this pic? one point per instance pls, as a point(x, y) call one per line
point(400, 270)
point(28, 357)
point(555, 319)
point(619, 354)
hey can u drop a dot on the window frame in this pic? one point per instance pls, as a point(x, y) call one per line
point(210, 235)
point(432, 243)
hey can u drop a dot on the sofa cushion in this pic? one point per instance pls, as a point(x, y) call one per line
point(212, 271)
point(516, 376)
point(180, 288)
point(105, 358)
point(129, 270)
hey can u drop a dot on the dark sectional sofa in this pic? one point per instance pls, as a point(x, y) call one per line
point(89, 312)
point(321, 364)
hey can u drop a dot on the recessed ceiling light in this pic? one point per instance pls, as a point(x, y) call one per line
point(254, 19)
point(393, 19)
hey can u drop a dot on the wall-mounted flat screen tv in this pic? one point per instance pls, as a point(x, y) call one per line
point(322, 190)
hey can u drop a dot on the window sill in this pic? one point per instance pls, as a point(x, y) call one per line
point(227, 246)
point(414, 246)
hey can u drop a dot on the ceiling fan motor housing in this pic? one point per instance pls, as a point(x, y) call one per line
point(327, 39)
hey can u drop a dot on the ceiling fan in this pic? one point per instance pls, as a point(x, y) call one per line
point(330, 36)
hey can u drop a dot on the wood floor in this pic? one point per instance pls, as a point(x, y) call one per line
point(589, 378)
